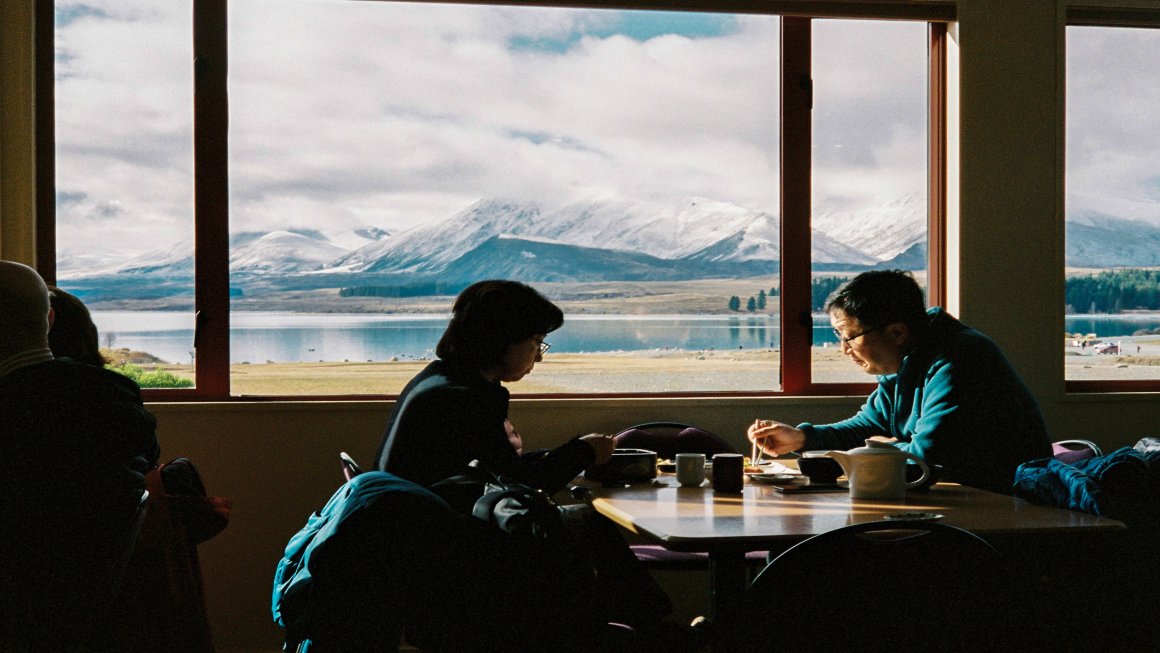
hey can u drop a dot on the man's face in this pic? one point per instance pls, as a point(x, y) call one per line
point(877, 349)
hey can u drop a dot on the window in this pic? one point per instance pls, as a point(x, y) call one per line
point(381, 156)
point(1112, 316)
point(124, 179)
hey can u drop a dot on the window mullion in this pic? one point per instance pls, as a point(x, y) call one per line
point(936, 241)
point(211, 198)
point(796, 161)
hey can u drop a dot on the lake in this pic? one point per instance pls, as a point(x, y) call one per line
point(300, 337)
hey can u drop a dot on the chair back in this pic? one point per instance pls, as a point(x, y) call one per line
point(1073, 451)
point(886, 585)
point(350, 468)
point(670, 438)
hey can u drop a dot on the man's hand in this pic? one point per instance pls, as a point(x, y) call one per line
point(776, 438)
point(602, 445)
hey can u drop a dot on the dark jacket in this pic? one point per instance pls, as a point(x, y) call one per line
point(446, 417)
point(956, 402)
point(75, 444)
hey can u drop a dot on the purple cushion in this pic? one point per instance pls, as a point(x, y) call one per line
point(668, 444)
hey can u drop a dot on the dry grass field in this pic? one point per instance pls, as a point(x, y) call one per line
point(632, 372)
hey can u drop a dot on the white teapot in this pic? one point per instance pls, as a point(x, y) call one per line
point(878, 470)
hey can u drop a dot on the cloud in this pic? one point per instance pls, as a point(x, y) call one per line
point(397, 114)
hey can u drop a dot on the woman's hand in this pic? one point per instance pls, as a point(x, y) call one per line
point(602, 445)
point(776, 438)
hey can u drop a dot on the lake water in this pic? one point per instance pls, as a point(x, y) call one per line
point(298, 337)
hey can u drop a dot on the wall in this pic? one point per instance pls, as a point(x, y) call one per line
point(278, 461)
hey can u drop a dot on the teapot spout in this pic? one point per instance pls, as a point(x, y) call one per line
point(843, 459)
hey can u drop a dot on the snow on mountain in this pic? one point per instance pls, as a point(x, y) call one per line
point(285, 252)
point(432, 247)
point(1095, 240)
point(882, 231)
point(693, 229)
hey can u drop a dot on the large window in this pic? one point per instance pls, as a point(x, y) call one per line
point(356, 164)
point(1112, 208)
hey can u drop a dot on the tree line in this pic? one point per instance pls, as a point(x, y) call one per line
point(1113, 291)
point(409, 290)
point(820, 290)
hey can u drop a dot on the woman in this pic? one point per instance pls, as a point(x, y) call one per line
point(455, 410)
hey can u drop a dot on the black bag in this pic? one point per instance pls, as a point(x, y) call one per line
point(544, 585)
point(519, 510)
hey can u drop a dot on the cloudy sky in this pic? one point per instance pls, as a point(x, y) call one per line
point(346, 114)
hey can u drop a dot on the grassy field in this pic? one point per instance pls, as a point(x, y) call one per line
point(670, 371)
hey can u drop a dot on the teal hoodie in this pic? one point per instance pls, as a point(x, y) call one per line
point(956, 402)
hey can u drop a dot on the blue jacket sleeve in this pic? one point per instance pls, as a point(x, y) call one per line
point(872, 419)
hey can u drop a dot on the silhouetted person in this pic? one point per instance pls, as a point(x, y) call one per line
point(73, 333)
point(75, 444)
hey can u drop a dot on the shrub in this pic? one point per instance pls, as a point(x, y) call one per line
point(152, 378)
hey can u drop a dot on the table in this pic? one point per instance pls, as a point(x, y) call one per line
point(726, 526)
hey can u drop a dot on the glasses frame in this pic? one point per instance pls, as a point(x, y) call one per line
point(543, 346)
point(845, 340)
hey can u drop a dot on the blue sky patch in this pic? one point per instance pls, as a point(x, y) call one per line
point(636, 25)
point(68, 15)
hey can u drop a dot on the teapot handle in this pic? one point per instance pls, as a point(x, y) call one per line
point(925, 471)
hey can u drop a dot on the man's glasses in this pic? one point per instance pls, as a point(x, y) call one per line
point(544, 347)
point(847, 339)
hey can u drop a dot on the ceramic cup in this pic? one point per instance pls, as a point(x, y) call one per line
point(728, 472)
point(690, 469)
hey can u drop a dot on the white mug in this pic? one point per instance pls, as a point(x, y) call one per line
point(691, 469)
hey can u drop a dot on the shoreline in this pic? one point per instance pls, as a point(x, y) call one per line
point(654, 371)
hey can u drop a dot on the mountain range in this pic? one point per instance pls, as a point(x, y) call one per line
point(606, 240)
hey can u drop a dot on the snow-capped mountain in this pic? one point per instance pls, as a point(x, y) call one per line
point(882, 231)
point(1095, 240)
point(282, 251)
point(601, 239)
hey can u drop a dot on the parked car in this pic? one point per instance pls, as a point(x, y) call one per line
point(1107, 348)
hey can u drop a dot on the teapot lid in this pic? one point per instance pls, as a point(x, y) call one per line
point(876, 448)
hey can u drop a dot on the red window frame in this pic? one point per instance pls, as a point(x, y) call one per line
point(1100, 17)
point(211, 182)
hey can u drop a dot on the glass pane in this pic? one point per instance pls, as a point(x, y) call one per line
point(124, 179)
point(869, 164)
point(1112, 205)
point(385, 155)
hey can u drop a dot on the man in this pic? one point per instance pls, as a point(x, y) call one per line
point(946, 393)
point(75, 444)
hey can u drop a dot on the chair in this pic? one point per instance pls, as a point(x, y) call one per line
point(669, 439)
point(884, 585)
point(1073, 451)
point(350, 468)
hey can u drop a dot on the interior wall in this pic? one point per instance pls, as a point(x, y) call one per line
point(278, 461)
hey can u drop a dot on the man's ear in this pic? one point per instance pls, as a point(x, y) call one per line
point(897, 333)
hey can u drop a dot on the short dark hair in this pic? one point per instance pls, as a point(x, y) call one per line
point(490, 316)
point(880, 297)
point(73, 333)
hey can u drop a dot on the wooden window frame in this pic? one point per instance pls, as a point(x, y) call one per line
point(1144, 18)
point(211, 182)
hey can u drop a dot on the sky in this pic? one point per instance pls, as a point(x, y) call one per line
point(345, 114)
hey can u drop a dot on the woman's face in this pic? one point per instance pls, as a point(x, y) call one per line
point(875, 349)
point(519, 360)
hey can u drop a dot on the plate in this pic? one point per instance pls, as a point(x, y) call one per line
point(778, 479)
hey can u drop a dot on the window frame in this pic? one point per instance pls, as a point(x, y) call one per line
point(211, 181)
point(1091, 16)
